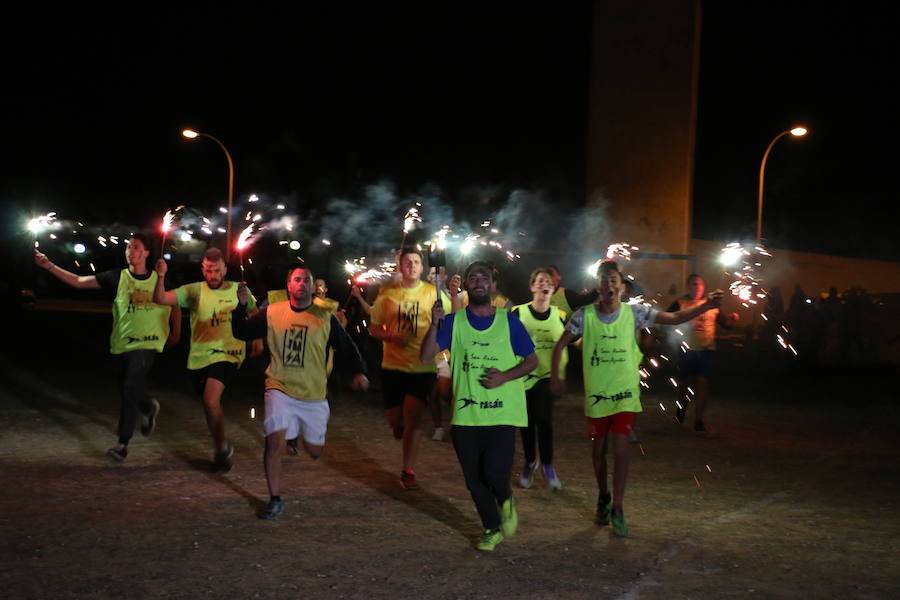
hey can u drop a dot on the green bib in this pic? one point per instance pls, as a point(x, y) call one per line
point(544, 334)
point(297, 343)
point(473, 352)
point(211, 337)
point(138, 323)
point(558, 299)
point(611, 359)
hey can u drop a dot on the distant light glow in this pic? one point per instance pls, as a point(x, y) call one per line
point(798, 131)
point(79, 248)
point(189, 134)
point(294, 245)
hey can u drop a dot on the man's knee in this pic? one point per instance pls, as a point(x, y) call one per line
point(313, 450)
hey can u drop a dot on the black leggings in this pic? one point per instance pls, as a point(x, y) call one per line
point(540, 422)
point(486, 456)
point(133, 368)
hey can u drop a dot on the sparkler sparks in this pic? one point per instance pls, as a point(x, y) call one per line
point(620, 249)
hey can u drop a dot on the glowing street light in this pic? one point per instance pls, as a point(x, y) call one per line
point(796, 132)
point(191, 134)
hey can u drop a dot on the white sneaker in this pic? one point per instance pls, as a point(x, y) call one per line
point(527, 476)
point(553, 481)
point(438, 434)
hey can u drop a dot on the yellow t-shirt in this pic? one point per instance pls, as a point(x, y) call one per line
point(402, 310)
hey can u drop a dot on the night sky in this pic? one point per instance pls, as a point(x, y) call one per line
point(317, 100)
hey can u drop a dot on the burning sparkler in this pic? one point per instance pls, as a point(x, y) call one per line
point(166, 225)
point(620, 249)
point(242, 242)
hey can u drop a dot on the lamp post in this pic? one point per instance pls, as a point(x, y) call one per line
point(191, 134)
point(797, 132)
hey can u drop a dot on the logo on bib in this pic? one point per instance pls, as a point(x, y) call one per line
point(294, 350)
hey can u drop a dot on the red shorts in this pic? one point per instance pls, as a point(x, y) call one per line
point(599, 427)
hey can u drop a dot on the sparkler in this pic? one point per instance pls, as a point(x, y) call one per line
point(621, 249)
point(40, 224)
point(242, 243)
point(166, 225)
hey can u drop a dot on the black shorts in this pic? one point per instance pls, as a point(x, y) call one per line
point(396, 385)
point(696, 363)
point(221, 371)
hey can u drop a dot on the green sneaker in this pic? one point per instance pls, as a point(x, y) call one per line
point(489, 540)
point(604, 507)
point(509, 517)
point(620, 527)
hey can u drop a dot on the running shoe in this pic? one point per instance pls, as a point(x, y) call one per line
point(699, 427)
point(620, 527)
point(148, 422)
point(272, 510)
point(438, 434)
point(292, 449)
point(553, 481)
point(118, 453)
point(604, 507)
point(222, 460)
point(527, 475)
point(408, 480)
point(509, 517)
point(489, 540)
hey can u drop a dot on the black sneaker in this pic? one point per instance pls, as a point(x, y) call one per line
point(272, 510)
point(148, 422)
point(117, 453)
point(679, 416)
point(222, 460)
point(699, 427)
point(604, 508)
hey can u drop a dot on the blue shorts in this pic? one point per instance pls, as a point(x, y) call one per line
point(696, 363)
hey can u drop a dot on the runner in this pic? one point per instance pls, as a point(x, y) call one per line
point(400, 319)
point(610, 360)
point(489, 397)
point(545, 324)
point(298, 332)
point(215, 354)
point(696, 363)
point(140, 329)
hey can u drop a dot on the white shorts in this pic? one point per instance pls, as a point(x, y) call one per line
point(443, 367)
point(306, 418)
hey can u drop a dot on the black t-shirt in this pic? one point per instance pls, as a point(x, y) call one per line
point(540, 316)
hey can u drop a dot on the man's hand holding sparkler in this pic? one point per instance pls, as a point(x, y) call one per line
point(161, 267)
point(41, 260)
point(714, 300)
point(437, 312)
point(243, 294)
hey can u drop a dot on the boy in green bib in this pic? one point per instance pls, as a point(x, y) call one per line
point(215, 354)
point(490, 352)
point(140, 330)
point(545, 324)
point(610, 360)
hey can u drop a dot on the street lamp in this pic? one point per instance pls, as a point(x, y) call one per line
point(797, 132)
point(191, 134)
